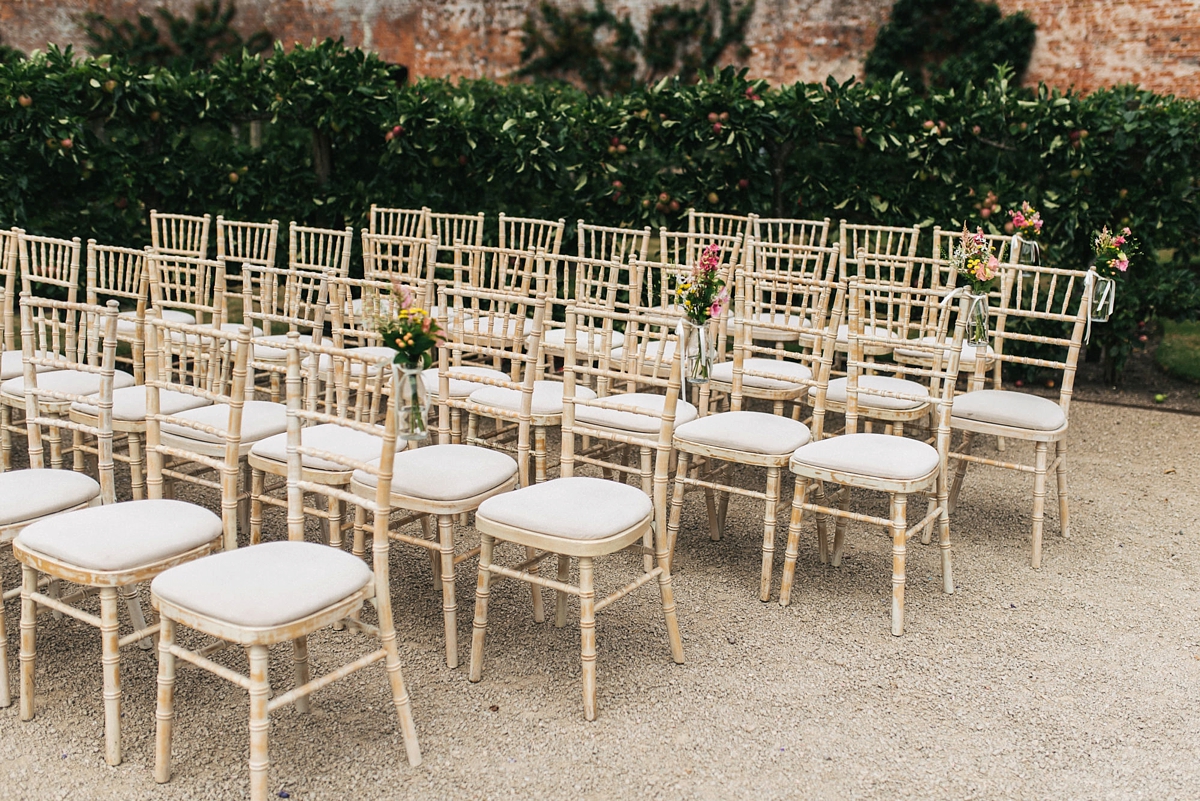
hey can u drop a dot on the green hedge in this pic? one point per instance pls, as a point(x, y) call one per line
point(865, 152)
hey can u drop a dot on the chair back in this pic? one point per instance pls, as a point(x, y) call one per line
point(876, 240)
point(591, 281)
point(531, 233)
point(116, 273)
point(187, 284)
point(179, 234)
point(732, 225)
point(502, 270)
point(52, 264)
point(765, 289)
point(944, 240)
point(53, 337)
point(8, 289)
point(355, 304)
point(612, 244)
point(1040, 323)
point(451, 228)
point(408, 223)
point(207, 363)
point(321, 250)
point(241, 243)
point(281, 300)
point(787, 231)
point(409, 260)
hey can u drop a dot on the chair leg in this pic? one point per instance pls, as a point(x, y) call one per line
point(243, 503)
point(647, 472)
point(539, 608)
point(5, 692)
point(768, 548)
point(822, 522)
point(165, 711)
point(260, 692)
point(359, 548)
point(667, 596)
point(449, 606)
point(1064, 515)
point(793, 542)
point(137, 474)
point(482, 589)
point(943, 491)
point(5, 438)
point(899, 536)
point(257, 487)
point(1039, 500)
point(111, 660)
point(560, 597)
point(960, 471)
point(400, 696)
point(336, 511)
point(587, 635)
point(839, 527)
point(29, 583)
point(539, 454)
point(676, 506)
point(300, 669)
point(129, 594)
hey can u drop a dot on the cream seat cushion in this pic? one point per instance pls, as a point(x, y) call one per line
point(11, 365)
point(871, 455)
point(793, 322)
point(446, 472)
point(843, 333)
point(379, 353)
point(266, 585)
point(967, 353)
point(129, 404)
point(1007, 408)
point(343, 441)
point(505, 327)
point(578, 508)
point(72, 382)
point(556, 338)
point(260, 419)
point(753, 432)
point(547, 397)
point(122, 536)
point(30, 494)
point(460, 387)
point(838, 391)
point(784, 369)
point(648, 423)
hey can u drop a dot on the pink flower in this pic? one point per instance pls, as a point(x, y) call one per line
point(1118, 240)
point(710, 258)
point(1018, 219)
point(1037, 223)
point(1126, 231)
point(718, 304)
point(1121, 264)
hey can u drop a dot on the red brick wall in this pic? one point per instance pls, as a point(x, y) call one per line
point(1085, 43)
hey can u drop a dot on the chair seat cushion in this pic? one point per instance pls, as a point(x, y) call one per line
point(378, 353)
point(331, 437)
point(505, 327)
point(753, 432)
point(122, 536)
point(578, 508)
point(461, 387)
point(966, 357)
point(1006, 408)
point(547, 397)
point(228, 328)
point(71, 382)
point(127, 321)
point(557, 338)
point(129, 404)
point(11, 365)
point(265, 585)
point(272, 348)
point(843, 332)
point(648, 423)
point(790, 374)
point(260, 419)
point(446, 472)
point(30, 494)
point(776, 321)
point(872, 455)
point(837, 392)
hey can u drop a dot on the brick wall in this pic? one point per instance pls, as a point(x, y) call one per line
point(1085, 43)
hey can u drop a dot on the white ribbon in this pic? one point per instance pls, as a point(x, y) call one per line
point(962, 290)
point(1090, 283)
point(680, 344)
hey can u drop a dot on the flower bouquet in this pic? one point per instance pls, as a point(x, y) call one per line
point(413, 334)
point(1112, 261)
point(703, 297)
point(1027, 223)
point(974, 261)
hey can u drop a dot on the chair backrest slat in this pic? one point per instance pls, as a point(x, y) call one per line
point(50, 262)
point(319, 249)
point(409, 223)
point(179, 234)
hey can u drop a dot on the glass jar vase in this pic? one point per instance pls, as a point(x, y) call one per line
point(412, 422)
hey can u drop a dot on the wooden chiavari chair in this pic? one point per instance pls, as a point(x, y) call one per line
point(179, 234)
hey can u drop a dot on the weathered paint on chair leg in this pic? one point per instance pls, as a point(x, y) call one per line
point(482, 589)
point(960, 470)
point(793, 542)
point(587, 635)
point(449, 604)
point(1039, 500)
point(899, 534)
point(676, 506)
point(164, 713)
point(400, 697)
point(667, 595)
point(110, 659)
point(539, 607)
point(28, 656)
point(5, 692)
point(129, 594)
point(768, 548)
point(822, 521)
point(260, 724)
point(300, 669)
point(137, 463)
point(1064, 512)
point(839, 527)
point(539, 454)
point(560, 597)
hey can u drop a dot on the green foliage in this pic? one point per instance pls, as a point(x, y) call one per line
point(603, 52)
point(338, 133)
point(189, 44)
point(1179, 351)
point(938, 44)
point(9, 53)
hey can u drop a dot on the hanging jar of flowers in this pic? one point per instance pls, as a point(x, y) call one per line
point(1112, 261)
point(703, 297)
point(974, 261)
point(413, 334)
point(1027, 225)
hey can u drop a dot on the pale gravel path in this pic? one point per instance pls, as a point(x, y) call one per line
point(1076, 681)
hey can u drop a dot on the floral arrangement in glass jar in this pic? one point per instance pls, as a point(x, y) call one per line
point(1026, 221)
point(702, 293)
point(1112, 251)
point(973, 259)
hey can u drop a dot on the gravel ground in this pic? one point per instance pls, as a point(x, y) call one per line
point(1075, 681)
